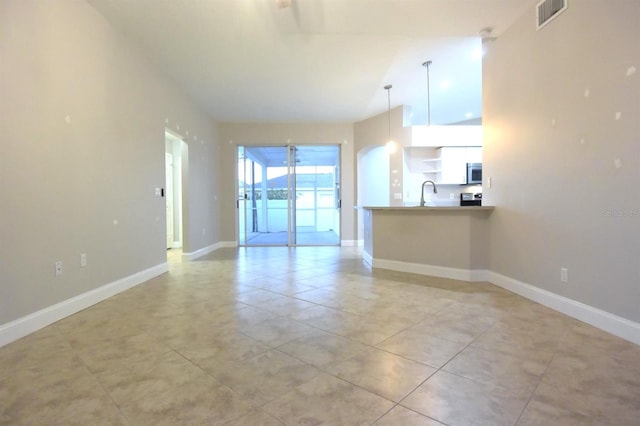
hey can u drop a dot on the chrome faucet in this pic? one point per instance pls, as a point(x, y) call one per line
point(435, 190)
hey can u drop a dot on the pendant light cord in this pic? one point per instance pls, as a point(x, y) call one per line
point(426, 65)
point(388, 89)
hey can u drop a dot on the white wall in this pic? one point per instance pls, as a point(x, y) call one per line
point(374, 132)
point(373, 177)
point(565, 167)
point(83, 121)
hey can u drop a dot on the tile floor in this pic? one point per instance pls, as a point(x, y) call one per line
point(311, 335)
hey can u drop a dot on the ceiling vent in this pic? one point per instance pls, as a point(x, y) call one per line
point(547, 10)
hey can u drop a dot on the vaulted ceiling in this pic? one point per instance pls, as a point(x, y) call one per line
point(318, 60)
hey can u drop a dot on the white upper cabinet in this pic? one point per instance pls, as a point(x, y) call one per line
point(438, 136)
point(444, 165)
point(453, 161)
point(474, 154)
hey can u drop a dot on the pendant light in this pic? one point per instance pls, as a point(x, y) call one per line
point(427, 64)
point(390, 145)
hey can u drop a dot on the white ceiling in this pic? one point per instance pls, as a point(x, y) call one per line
point(318, 60)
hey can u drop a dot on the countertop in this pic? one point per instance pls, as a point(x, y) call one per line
point(432, 208)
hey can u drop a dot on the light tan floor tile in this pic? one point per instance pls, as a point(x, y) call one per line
point(594, 384)
point(322, 348)
point(519, 375)
point(455, 400)
point(258, 297)
point(536, 346)
point(582, 337)
point(263, 377)
point(599, 401)
point(114, 354)
point(418, 346)
point(321, 296)
point(325, 318)
point(200, 401)
point(60, 393)
point(455, 326)
point(382, 373)
point(100, 318)
point(255, 417)
point(288, 285)
point(228, 347)
point(277, 331)
point(215, 339)
point(400, 416)
point(157, 375)
point(328, 400)
point(409, 314)
point(369, 330)
point(180, 333)
point(538, 413)
point(243, 316)
point(286, 306)
point(33, 349)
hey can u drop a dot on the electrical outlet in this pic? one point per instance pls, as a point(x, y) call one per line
point(564, 275)
point(452, 196)
point(58, 268)
point(83, 260)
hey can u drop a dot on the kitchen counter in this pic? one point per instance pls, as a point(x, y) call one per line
point(433, 208)
point(445, 241)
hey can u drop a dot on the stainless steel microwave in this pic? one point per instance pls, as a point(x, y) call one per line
point(474, 173)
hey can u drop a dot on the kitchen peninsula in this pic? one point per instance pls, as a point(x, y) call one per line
point(450, 242)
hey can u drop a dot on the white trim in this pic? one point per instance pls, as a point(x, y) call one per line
point(206, 250)
point(367, 258)
point(21, 327)
point(432, 270)
point(603, 320)
point(349, 243)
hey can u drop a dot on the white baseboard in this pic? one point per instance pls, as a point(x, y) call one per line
point(603, 320)
point(206, 250)
point(367, 257)
point(21, 327)
point(436, 271)
point(349, 243)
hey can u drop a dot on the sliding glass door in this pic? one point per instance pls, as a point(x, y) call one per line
point(289, 195)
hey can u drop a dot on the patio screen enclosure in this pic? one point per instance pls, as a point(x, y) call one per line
point(289, 195)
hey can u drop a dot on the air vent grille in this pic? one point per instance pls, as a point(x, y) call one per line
point(547, 10)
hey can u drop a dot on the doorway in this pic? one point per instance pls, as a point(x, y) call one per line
point(289, 195)
point(174, 148)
